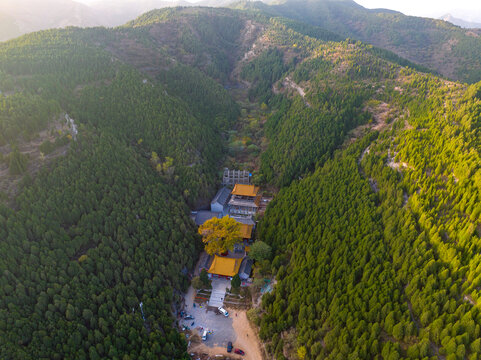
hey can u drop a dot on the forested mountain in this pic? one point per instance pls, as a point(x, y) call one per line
point(375, 231)
point(376, 249)
point(107, 226)
point(118, 12)
point(436, 44)
point(28, 16)
point(18, 17)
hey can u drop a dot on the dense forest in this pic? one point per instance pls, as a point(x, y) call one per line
point(107, 226)
point(375, 231)
point(86, 247)
point(376, 250)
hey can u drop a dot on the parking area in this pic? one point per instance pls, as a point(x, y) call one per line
point(221, 327)
point(235, 328)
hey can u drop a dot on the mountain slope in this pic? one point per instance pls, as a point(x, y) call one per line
point(25, 16)
point(115, 12)
point(333, 229)
point(118, 12)
point(376, 246)
point(108, 225)
point(436, 44)
point(375, 231)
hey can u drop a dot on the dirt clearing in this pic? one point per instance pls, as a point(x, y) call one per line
point(245, 339)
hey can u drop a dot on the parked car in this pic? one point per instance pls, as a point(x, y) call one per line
point(229, 346)
point(204, 335)
point(239, 351)
point(223, 311)
point(189, 317)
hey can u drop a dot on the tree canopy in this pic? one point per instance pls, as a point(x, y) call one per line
point(220, 234)
point(260, 251)
point(100, 230)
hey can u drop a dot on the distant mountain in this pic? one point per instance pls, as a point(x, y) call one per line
point(118, 12)
point(460, 22)
point(8, 27)
point(24, 16)
point(470, 15)
point(439, 45)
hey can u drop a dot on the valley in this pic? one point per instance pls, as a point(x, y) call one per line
point(370, 170)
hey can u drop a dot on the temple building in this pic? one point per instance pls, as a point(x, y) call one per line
point(245, 200)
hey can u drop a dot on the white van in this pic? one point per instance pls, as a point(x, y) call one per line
point(223, 311)
point(204, 335)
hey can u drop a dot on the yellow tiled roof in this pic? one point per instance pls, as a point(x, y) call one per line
point(246, 231)
point(245, 190)
point(225, 266)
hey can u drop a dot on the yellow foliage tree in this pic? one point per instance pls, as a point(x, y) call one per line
point(167, 164)
point(301, 352)
point(220, 235)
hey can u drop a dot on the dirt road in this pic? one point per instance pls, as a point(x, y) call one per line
point(246, 339)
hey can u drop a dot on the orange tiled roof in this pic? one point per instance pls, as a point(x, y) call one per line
point(245, 190)
point(246, 231)
point(225, 266)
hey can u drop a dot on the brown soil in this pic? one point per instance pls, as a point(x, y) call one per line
point(469, 299)
point(203, 352)
point(252, 44)
point(380, 113)
point(246, 340)
point(407, 126)
point(246, 337)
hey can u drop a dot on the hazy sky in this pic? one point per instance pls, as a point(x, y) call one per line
point(427, 7)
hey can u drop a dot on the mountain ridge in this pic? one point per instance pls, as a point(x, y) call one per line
point(436, 44)
point(440, 46)
point(30, 15)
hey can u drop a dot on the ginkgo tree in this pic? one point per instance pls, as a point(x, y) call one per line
point(220, 234)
